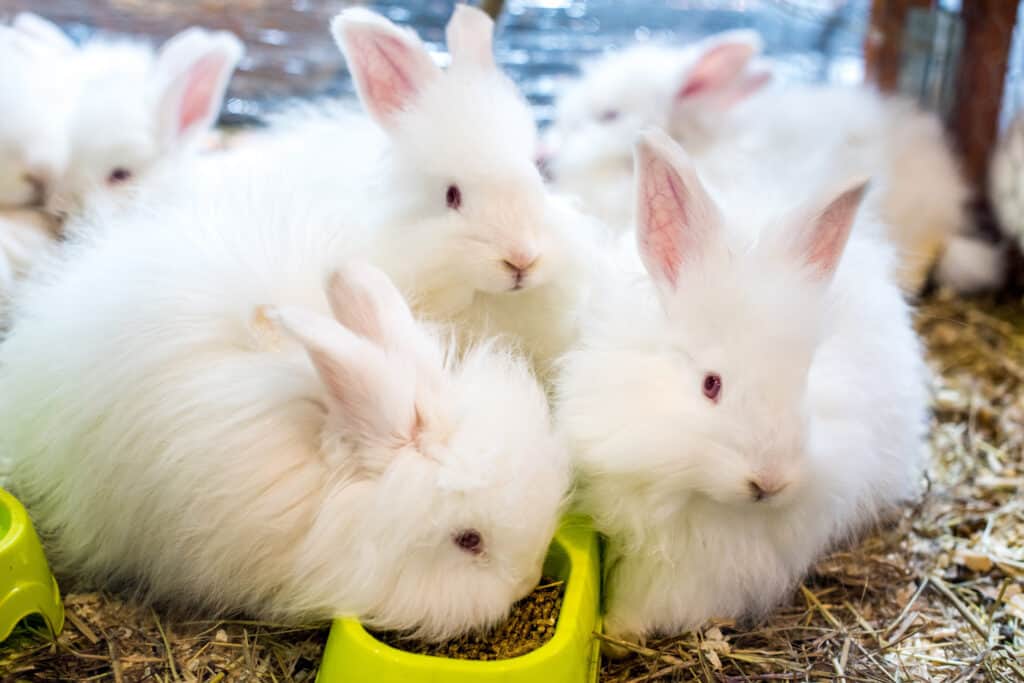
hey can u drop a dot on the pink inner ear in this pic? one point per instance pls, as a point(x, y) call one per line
point(379, 59)
point(715, 69)
point(831, 231)
point(694, 86)
point(663, 219)
point(200, 91)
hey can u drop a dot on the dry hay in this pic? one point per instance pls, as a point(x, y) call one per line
point(938, 595)
point(530, 624)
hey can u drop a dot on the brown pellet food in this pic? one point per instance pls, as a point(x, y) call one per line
point(530, 624)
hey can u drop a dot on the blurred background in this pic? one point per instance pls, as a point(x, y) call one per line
point(923, 48)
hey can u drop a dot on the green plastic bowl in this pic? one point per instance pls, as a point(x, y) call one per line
point(26, 585)
point(571, 656)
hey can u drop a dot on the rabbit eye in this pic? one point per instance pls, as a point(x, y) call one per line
point(453, 197)
point(608, 116)
point(469, 540)
point(119, 175)
point(712, 386)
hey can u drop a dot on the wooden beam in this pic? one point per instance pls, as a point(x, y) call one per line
point(883, 45)
point(492, 7)
point(988, 31)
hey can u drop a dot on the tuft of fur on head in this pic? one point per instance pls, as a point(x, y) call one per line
point(718, 494)
point(231, 434)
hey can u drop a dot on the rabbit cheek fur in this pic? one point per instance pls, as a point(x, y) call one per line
point(180, 448)
point(669, 480)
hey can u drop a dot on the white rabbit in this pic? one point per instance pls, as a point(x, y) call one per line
point(588, 150)
point(135, 108)
point(185, 416)
point(923, 196)
point(34, 106)
point(437, 186)
point(760, 397)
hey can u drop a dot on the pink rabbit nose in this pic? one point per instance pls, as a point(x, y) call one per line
point(519, 265)
point(764, 488)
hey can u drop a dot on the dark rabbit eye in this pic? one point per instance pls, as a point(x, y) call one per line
point(712, 386)
point(469, 540)
point(119, 175)
point(608, 116)
point(453, 197)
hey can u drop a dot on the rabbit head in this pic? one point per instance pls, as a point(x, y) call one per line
point(470, 205)
point(135, 110)
point(680, 90)
point(35, 103)
point(742, 319)
point(463, 479)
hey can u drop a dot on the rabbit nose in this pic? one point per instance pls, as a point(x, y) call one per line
point(519, 265)
point(763, 488)
point(522, 259)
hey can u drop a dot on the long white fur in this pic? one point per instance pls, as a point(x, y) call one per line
point(922, 193)
point(383, 178)
point(168, 432)
point(823, 387)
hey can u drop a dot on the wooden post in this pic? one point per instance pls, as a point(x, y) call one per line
point(492, 7)
point(988, 31)
point(883, 45)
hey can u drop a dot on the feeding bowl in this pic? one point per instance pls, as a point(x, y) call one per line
point(571, 656)
point(26, 585)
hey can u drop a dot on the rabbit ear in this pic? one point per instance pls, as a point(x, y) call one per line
point(470, 36)
point(192, 74)
point(744, 86)
point(675, 216)
point(720, 64)
point(820, 240)
point(365, 301)
point(390, 66)
point(371, 397)
point(43, 30)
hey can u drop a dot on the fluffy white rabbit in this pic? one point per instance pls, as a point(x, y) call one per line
point(187, 413)
point(588, 149)
point(133, 107)
point(437, 185)
point(759, 397)
point(702, 93)
point(34, 106)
